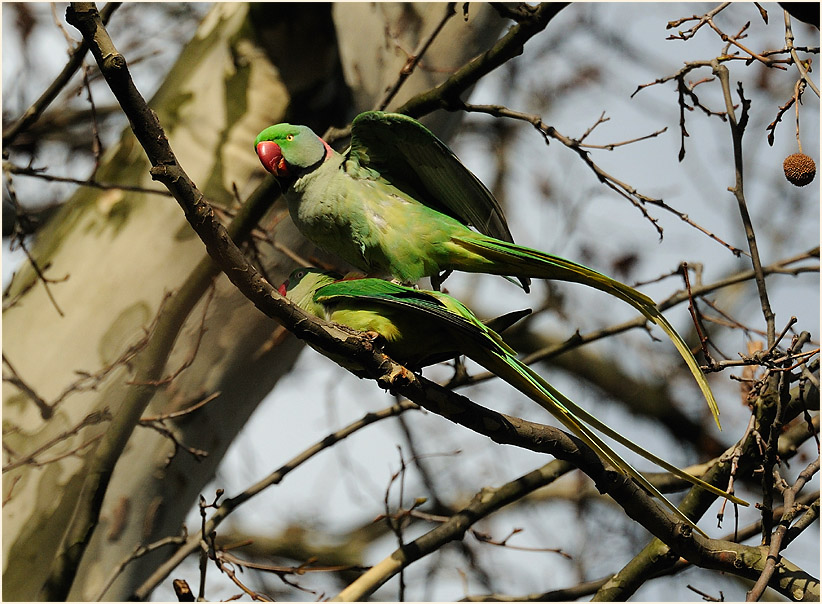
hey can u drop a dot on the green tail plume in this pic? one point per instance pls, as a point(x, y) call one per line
point(510, 259)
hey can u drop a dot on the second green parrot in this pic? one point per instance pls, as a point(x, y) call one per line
point(398, 203)
point(418, 325)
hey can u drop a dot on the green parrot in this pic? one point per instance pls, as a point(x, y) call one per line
point(398, 203)
point(417, 326)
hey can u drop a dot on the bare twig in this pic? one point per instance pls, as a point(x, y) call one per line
point(46, 410)
point(737, 129)
point(776, 542)
point(163, 430)
point(40, 173)
point(706, 597)
point(771, 128)
point(416, 56)
point(700, 21)
point(33, 113)
point(735, 41)
point(182, 412)
point(232, 503)
point(194, 349)
point(696, 315)
point(18, 236)
point(138, 552)
point(30, 458)
point(800, 66)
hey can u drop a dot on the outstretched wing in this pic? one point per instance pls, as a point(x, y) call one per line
point(414, 160)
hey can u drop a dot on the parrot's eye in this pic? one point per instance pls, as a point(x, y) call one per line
point(289, 137)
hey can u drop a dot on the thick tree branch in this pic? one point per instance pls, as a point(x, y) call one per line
point(590, 587)
point(745, 561)
point(531, 21)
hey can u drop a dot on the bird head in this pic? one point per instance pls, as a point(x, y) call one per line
point(302, 284)
point(284, 149)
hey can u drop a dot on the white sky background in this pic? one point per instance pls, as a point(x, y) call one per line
point(582, 220)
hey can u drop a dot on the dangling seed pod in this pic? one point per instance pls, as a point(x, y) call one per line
point(799, 169)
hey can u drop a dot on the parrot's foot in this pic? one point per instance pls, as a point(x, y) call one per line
point(372, 338)
point(398, 375)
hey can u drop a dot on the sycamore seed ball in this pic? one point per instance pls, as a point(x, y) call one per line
point(799, 169)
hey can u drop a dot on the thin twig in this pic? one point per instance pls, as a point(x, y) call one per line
point(182, 412)
point(700, 22)
point(737, 129)
point(776, 541)
point(138, 552)
point(19, 237)
point(46, 410)
point(800, 66)
point(230, 504)
point(416, 56)
point(40, 173)
point(33, 113)
point(93, 418)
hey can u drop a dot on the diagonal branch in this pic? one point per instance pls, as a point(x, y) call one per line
point(416, 56)
point(484, 503)
point(531, 21)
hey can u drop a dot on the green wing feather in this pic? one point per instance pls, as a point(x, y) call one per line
point(413, 159)
point(482, 344)
point(512, 259)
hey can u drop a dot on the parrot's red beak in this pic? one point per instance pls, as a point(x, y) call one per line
point(271, 156)
point(283, 288)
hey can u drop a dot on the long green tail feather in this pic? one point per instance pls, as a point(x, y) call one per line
point(566, 412)
point(511, 259)
point(605, 429)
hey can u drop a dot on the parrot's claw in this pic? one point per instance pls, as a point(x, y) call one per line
point(398, 376)
point(372, 339)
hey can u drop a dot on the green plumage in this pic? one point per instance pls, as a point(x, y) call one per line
point(399, 204)
point(416, 325)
